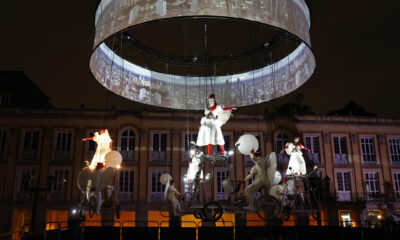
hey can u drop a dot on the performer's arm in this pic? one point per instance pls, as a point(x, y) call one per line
point(229, 109)
point(88, 138)
point(284, 148)
point(303, 147)
point(251, 174)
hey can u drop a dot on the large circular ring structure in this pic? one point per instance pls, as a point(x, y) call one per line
point(174, 53)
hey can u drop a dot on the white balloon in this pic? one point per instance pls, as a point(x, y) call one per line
point(247, 142)
point(113, 159)
point(164, 179)
point(277, 178)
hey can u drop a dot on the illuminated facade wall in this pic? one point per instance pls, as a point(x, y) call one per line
point(359, 155)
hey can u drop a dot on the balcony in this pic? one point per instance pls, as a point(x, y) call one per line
point(128, 155)
point(125, 197)
point(343, 196)
point(341, 159)
point(62, 156)
point(24, 196)
point(156, 196)
point(314, 157)
point(158, 156)
point(29, 154)
point(57, 196)
point(282, 157)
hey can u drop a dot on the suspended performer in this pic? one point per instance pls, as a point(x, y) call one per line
point(104, 146)
point(210, 129)
point(297, 165)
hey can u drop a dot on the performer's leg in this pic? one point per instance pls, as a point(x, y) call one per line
point(222, 149)
point(210, 149)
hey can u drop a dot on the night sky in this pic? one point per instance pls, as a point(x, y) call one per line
point(356, 45)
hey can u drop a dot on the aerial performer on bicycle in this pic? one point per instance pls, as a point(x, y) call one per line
point(210, 129)
point(263, 170)
point(297, 165)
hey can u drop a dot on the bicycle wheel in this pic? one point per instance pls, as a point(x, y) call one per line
point(267, 207)
point(212, 211)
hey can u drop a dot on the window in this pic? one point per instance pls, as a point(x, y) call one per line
point(394, 145)
point(312, 142)
point(3, 135)
point(30, 145)
point(343, 186)
point(57, 181)
point(372, 185)
point(125, 186)
point(63, 145)
point(396, 178)
point(368, 149)
point(345, 219)
point(189, 137)
point(221, 195)
point(27, 180)
point(157, 189)
point(340, 147)
point(127, 145)
point(159, 147)
point(280, 141)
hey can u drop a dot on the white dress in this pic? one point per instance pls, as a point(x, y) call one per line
point(210, 130)
point(103, 147)
point(296, 161)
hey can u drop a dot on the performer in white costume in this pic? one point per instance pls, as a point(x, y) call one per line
point(264, 173)
point(104, 146)
point(172, 197)
point(210, 130)
point(193, 168)
point(297, 165)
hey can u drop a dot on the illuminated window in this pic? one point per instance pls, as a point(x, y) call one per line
point(157, 189)
point(227, 220)
point(394, 144)
point(20, 221)
point(340, 146)
point(343, 186)
point(372, 185)
point(58, 182)
point(127, 218)
point(345, 219)
point(126, 184)
point(3, 135)
point(280, 141)
point(127, 145)
point(30, 144)
point(63, 145)
point(94, 221)
point(189, 221)
point(54, 218)
point(312, 142)
point(253, 220)
point(158, 218)
point(159, 152)
point(368, 150)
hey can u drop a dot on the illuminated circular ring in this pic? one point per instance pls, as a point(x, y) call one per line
point(129, 62)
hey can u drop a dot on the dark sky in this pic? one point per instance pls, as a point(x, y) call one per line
point(356, 45)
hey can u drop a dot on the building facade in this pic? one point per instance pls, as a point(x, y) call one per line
point(42, 152)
